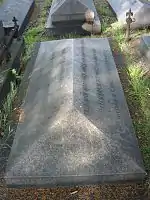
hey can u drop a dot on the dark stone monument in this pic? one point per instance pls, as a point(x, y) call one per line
point(67, 16)
point(140, 9)
point(144, 46)
point(21, 9)
point(76, 128)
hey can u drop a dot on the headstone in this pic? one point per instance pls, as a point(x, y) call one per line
point(140, 9)
point(144, 46)
point(21, 9)
point(76, 127)
point(67, 16)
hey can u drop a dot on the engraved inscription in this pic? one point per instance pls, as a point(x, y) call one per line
point(107, 60)
point(62, 62)
point(84, 78)
point(99, 90)
point(115, 102)
point(111, 86)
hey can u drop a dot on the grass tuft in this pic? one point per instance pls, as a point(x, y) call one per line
point(6, 111)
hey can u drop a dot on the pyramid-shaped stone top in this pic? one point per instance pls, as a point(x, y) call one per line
point(76, 127)
point(65, 10)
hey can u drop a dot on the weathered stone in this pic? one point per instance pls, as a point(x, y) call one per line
point(21, 9)
point(95, 28)
point(144, 46)
point(140, 9)
point(76, 127)
point(67, 16)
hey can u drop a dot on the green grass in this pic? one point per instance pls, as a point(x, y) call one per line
point(139, 94)
point(137, 91)
point(36, 32)
point(5, 115)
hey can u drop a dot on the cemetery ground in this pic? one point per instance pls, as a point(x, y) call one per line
point(135, 78)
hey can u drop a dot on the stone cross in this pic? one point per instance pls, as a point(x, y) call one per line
point(129, 20)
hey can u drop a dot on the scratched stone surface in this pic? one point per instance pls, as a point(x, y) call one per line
point(140, 9)
point(76, 127)
point(66, 15)
point(21, 9)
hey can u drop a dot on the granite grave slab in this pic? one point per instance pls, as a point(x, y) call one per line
point(67, 16)
point(76, 126)
point(21, 9)
point(140, 9)
point(144, 46)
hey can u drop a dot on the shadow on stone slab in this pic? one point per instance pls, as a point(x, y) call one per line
point(77, 129)
point(21, 9)
point(140, 9)
point(119, 58)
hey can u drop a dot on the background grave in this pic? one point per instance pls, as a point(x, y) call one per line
point(21, 9)
point(79, 130)
point(140, 9)
point(68, 16)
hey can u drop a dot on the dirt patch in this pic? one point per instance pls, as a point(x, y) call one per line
point(106, 192)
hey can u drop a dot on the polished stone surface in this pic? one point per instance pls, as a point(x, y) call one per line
point(67, 16)
point(75, 125)
point(140, 9)
point(21, 9)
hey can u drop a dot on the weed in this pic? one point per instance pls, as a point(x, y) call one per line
point(6, 110)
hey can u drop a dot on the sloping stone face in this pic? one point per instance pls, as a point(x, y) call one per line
point(76, 128)
point(67, 16)
point(140, 9)
point(73, 11)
